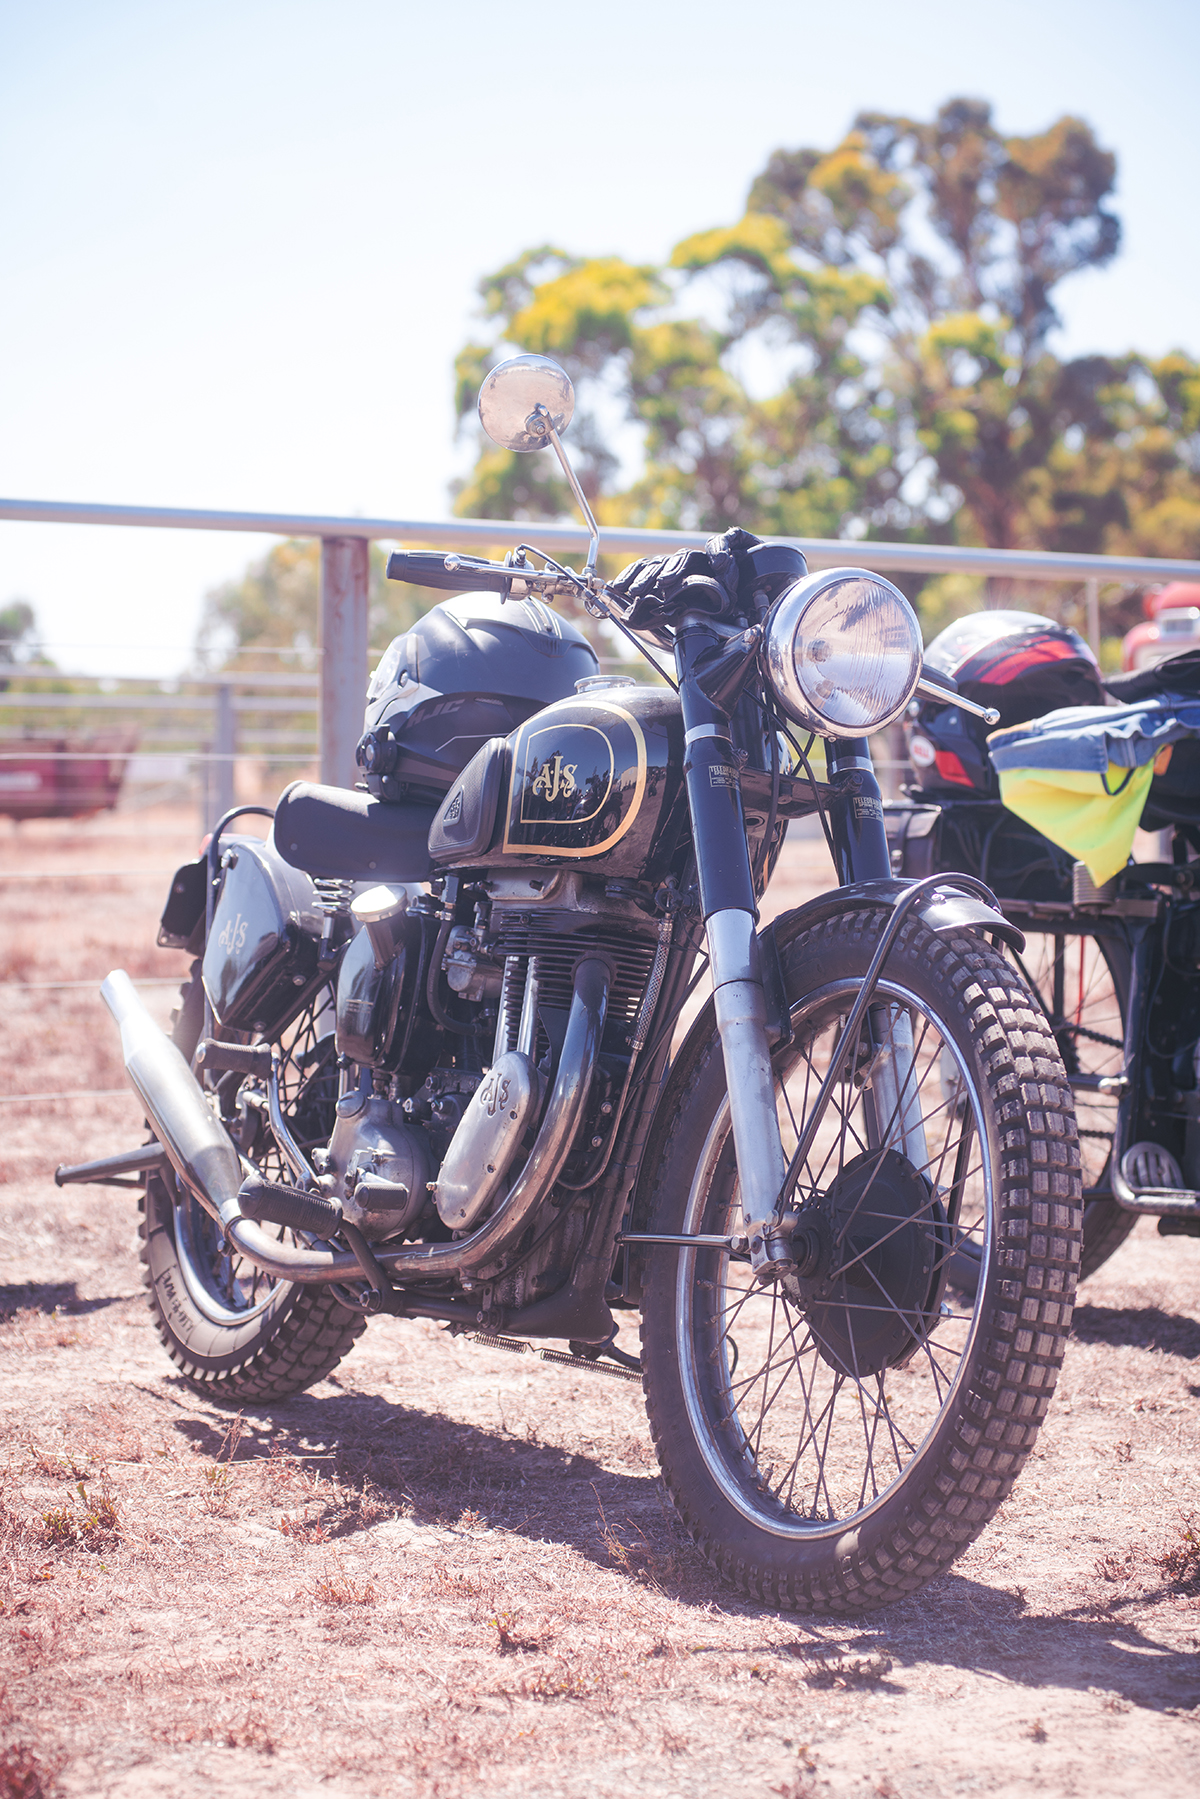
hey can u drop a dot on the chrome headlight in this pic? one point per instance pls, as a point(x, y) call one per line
point(843, 652)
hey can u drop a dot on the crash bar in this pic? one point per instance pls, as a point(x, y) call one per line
point(345, 574)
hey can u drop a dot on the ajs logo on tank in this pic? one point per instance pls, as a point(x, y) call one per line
point(577, 780)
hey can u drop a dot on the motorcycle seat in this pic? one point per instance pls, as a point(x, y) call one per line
point(338, 833)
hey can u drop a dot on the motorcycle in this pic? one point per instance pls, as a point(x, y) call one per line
point(1115, 967)
point(428, 1064)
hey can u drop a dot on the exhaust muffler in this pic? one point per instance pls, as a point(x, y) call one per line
point(197, 1145)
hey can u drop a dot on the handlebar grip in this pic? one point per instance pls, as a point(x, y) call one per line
point(427, 568)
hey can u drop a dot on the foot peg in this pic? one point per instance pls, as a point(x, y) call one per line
point(1151, 1181)
point(1150, 1167)
point(241, 1058)
point(266, 1202)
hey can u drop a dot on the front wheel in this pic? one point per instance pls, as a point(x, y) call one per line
point(834, 1439)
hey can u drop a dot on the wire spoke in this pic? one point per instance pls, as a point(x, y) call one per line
point(839, 1378)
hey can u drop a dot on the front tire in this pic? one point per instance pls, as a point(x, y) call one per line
point(834, 1443)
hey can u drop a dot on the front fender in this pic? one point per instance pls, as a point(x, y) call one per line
point(943, 910)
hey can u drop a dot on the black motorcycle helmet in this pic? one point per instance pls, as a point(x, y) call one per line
point(473, 667)
point(1021, 664)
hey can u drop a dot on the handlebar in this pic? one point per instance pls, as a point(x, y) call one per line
point(427, 568)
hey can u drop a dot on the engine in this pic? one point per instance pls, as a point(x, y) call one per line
point(434, 1147)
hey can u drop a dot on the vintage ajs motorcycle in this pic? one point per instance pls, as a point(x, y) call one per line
point(428, 1063)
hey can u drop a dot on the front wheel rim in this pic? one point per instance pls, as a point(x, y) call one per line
point(804, 1495)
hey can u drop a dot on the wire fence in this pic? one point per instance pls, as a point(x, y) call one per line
point(12, 990)
point(72, 744)
point(84, 874)
point(80, 986)
point(29, 1099)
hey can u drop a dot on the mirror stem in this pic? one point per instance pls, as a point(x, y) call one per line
point(589, 567)
point(929, 690)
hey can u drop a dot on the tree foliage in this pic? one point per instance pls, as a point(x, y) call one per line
point(18, 630)
point(20, 646)
point(864, 353)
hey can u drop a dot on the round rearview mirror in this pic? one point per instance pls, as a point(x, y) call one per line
point(509, 397)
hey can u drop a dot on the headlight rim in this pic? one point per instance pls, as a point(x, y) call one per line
point(780, 629)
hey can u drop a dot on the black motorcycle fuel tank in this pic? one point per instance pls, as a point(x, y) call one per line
point(596, 780)
point(261, 957)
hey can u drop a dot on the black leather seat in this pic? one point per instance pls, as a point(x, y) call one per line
point(335, 833)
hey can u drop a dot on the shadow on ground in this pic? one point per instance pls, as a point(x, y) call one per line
point(1139, 1327)
point(60, 1296)
point(457, 1476)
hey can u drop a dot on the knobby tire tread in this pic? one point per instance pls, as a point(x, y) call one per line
point(1027, 1314)
point(298, 1343)
point(1106, 1224)
point(296, 1347)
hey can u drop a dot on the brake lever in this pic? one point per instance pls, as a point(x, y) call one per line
point(518, 574)
point(453, 561)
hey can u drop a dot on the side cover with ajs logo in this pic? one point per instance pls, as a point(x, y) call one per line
point(261, 954)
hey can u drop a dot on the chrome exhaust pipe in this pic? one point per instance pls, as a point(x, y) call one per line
point(197, 1146)
point(207, 1163)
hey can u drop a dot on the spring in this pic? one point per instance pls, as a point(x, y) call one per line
point(334, 896)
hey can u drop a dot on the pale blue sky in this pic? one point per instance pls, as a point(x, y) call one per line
point(239, 239)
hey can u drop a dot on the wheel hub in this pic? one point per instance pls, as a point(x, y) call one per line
point(886, 1244)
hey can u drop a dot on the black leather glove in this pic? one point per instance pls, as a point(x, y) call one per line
point(685, 580)
point(662, 576)
point(728, 560)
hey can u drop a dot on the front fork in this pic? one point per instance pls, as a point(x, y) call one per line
point(893, 1108)
point(712, 770)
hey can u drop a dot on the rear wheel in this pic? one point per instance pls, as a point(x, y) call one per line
point(234, 1332)
point(1083, 984)
point(834, 1439)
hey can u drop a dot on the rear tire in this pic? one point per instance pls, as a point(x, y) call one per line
point(235, 1334)
point(1083, 983)
point(836, 1444)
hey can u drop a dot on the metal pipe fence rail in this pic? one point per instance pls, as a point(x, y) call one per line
point(345, 572)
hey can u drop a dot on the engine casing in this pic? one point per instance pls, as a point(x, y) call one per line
point(372, 1142)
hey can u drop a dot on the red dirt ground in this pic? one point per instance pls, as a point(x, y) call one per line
point(448, 1571)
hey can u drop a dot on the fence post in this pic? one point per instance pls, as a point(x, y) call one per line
point(225, 748)
point(345, 573)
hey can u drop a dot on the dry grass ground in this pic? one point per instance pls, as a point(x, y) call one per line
point(448, 1571)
